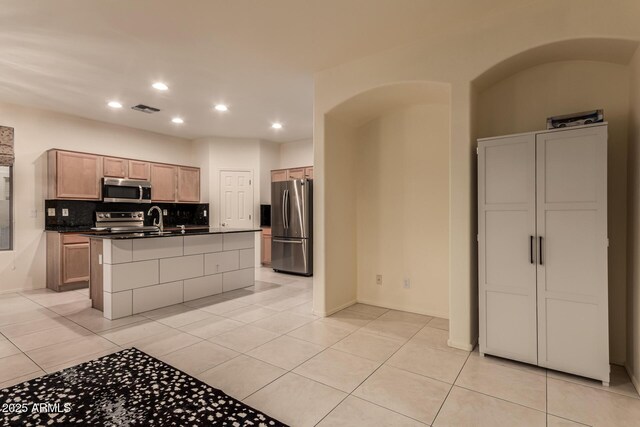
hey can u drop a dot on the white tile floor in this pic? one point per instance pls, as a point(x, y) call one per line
point(362, 366)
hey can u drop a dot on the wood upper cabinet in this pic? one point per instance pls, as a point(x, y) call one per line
point(139, 170)
point(278, 175)
point(188, 184)
point(78, 176)
point(74, 175)
point(308, 172)
point(114, 167)
point(297, 173)
point(163, 182)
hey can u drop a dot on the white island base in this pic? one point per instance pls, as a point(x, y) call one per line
point(142, 274)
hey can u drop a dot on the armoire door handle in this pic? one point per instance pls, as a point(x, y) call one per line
point(531, 249)
point(540, 249)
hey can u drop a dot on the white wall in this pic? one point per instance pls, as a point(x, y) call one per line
point(37, 131)
point(269, 160)
point(403, 210)
point(295, 154)
point(633, 204)
point(458, 58)
point(523, 101)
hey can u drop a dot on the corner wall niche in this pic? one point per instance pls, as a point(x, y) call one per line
point(387, 199)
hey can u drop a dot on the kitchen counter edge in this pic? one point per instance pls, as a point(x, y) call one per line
point(121, 236)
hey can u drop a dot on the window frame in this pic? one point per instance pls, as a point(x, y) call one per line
point(11, 228)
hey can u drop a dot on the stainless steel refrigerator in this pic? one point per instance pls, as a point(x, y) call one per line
point(292, 226)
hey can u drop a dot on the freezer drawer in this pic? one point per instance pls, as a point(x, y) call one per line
point(292, 255)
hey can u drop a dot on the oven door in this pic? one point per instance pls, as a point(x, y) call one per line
point(125, 190)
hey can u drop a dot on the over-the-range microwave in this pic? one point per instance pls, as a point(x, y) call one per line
point(126, 190)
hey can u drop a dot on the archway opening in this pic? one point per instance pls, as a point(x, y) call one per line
point(518, 94)
point(386, 210)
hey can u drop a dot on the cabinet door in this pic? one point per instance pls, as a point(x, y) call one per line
point(139, 170)
point(78, 175)
point(506, 256)
point(308, 172)
point(188, 184)
point(572, 270)
point(75, 263)
point(163, 182)
point(297, 173)
point(266, 249)
point(278, 176)
point(114, 168)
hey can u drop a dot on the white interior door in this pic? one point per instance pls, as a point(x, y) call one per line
point(572, 271)
point(236, 199)
point(506, 239)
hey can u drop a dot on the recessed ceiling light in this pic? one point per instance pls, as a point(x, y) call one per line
point(277, 125)
point(221, 107)
point(114, 104)
point(177, 120)
point(160, 86)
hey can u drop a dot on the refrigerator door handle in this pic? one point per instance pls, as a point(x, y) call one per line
point(297, 242)
point(286, 210)
point(284, 217)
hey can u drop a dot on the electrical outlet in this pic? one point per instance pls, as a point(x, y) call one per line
point(205, 213)
point(379, 279)
point(65, 212)
point(407, 283)
point(165, 212)
point(51, 211)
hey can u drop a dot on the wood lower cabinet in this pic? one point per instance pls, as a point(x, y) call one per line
point(188, 184)
point(74, 175)
point(114, 167)
point(266, 246)
point(139, 170)
point(67, 261)
point(163, 182)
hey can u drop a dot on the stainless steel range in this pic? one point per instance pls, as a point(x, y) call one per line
point(122, 222)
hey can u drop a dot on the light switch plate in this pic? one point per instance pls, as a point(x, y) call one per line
point(65, 212)
point(51, 211)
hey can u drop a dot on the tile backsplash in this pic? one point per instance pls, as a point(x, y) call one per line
point(81, 214)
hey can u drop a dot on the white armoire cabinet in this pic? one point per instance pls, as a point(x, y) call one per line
point(542, 249)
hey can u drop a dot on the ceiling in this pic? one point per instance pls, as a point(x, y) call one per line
point(257, 56)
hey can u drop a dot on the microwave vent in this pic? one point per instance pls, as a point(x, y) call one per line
point(145, 109)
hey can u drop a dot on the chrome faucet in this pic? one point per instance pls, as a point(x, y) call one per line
point(159, 223)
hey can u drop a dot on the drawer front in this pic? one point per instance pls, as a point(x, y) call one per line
point(68, 239)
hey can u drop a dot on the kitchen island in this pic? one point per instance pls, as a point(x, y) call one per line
point(135, 272)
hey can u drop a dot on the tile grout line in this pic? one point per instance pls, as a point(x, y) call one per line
point(374, 371)
point(291, 370)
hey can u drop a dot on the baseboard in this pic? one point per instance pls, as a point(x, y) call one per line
point(634, 380)
point(462, 346)
point(397, 307)
point(334, 310)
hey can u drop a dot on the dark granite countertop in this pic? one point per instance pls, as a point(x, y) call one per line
point(188, 232)
point(88, 230)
